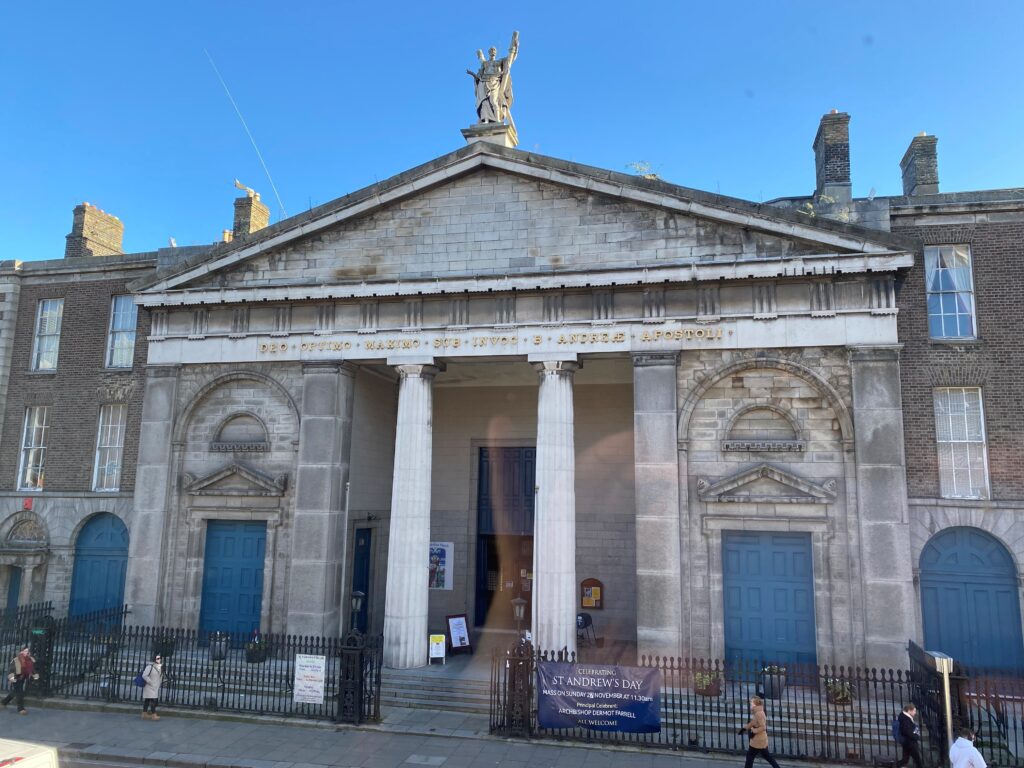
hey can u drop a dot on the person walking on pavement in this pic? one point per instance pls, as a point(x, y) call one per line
point(153, 674)
point(757, 729)
point(21, 670)
point(910, 737)
point(963, 753)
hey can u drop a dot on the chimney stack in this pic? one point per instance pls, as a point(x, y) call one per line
point(250, 214)
point(920, 166)
point(93, 233)
point(832, 157)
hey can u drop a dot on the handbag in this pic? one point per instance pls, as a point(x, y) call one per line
point(140, 681)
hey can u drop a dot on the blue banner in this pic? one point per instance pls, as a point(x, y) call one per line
point(598, 696)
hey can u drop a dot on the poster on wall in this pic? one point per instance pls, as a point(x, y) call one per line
point(598, 696)
point(458, 633)
point(441, 562)
point(309, 679)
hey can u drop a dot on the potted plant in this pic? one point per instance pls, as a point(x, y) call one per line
point(838, 692)
point(773, 681)
point(707, 683)
point(163, 645)
point(219, 646)
point(255, 649)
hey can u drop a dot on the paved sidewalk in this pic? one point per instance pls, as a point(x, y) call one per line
point(89, 738)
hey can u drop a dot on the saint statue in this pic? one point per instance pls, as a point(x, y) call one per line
point(494, 85)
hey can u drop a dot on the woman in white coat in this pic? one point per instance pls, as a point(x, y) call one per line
point(153, 675)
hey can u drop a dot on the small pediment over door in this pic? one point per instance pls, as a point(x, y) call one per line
point(763, 483)
point(236, 480)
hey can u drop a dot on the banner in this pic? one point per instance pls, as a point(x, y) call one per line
point(598, 696)
point(309, 679)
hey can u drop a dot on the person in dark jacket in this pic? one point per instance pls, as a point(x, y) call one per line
point(910, 737)
point(21, 670)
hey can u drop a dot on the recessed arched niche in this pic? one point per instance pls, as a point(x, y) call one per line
point(763, 428)
point(241, 432)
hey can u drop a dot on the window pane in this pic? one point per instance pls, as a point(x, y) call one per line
point(960, 442)
point(121, 336)
point(950, 289)
point(33, 448)
point(47, 334)
point(109, 447)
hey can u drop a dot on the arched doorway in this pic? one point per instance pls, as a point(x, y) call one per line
point(101, 558)
point(969, 599)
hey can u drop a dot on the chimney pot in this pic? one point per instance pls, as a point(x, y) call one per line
point(920, 166)
point(832, 157)
point(93, 233)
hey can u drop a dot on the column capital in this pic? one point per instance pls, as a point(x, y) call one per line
point(418, 370)
point(876, 354)
point(342, 367)
point(645, 359)
point(560, 367)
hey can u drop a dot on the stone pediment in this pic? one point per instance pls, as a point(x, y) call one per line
point(236, 480)
point(490, 211)
point(765, 483)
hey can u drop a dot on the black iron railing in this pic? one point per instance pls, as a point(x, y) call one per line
point(21, 618)
point(836, 714)
point(97, 657)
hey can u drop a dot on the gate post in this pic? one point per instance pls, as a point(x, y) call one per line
point(351, 678)
point(944, 666)
point(519, 697)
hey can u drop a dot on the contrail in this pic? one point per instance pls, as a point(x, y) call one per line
point(238, 112)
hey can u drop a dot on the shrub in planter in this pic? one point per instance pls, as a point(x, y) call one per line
point(773, 681)
point(838, 692)
point(255, 652)
point(219, 642)
point(707, 683)
point(164, 646)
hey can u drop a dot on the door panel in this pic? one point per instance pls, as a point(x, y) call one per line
point(101, 562)
point(233, 577)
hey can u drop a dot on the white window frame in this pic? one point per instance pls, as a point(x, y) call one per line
point(34, 434)
point(960, 435)
point(121, 328)
point(109, 460)
point(46, 340)
point(949, 295)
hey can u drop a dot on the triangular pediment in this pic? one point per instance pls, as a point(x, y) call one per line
point(236, 480)
point(487, 210)
point(765, 483)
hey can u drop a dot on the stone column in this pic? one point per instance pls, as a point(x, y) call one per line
point(319, 529)
point(656, 468)
point(885, 552)
point(554, 529)
point(405, 608)
point(154, 480)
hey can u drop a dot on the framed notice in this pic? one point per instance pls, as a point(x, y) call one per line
point(591, 594)
point(458, 633)
point(309, 679)
point(441, 562)
point(437, 648)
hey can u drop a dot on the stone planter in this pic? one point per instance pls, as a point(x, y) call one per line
point(218, 646)
point(773, 684)
point(255, 654)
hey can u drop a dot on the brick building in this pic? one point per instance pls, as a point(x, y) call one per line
point(502, 375)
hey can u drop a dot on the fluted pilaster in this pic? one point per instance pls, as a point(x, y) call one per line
point(405, 612)
point(554, 534)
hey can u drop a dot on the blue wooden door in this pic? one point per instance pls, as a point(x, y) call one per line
point(769, 598)
point(101, 560)
point(969, 601)
point(13, 589)
point(361, 574)
point(233, 577)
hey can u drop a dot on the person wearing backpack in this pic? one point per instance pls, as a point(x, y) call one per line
point(910, 737)
point(21, 670)
point(153, 677)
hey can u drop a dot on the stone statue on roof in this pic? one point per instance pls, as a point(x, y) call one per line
point(493, 81)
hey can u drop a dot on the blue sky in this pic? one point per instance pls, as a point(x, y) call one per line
point(116, 103)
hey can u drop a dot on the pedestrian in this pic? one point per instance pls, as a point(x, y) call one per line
point(153, 675)
point(757, 731)
point(910, 737)
point(22, 669)
point(963, 753)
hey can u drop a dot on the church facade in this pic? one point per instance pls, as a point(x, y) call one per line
point(504, 377)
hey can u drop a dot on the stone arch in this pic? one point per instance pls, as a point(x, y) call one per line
point(932, 521)
point(21, 520)
point(185, 418)
point(813, 378)
point(77, 529)
point(746, 410)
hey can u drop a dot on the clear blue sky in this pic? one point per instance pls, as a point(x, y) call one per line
point(116, 103)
